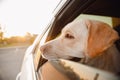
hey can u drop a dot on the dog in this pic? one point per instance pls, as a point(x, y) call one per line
point(90, 40)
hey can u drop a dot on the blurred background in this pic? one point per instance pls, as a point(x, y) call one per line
point(20, 22)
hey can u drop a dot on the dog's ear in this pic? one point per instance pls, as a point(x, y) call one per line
point(101, 36)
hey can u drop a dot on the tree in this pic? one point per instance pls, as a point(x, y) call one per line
point(2, 30)
point(1, 34)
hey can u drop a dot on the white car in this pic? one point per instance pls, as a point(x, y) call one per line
point(35, 67)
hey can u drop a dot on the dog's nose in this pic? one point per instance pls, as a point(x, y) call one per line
point(45, 48)
point(42, 48)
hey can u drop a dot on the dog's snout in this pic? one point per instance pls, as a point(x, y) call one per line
point(42, 48)
point(45, 48)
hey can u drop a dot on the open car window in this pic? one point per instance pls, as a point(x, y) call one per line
point(74, 70)
point(68, 69)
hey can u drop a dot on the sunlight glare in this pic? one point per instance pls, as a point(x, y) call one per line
point(21, 16)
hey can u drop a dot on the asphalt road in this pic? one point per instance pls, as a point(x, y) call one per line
point(10, 62)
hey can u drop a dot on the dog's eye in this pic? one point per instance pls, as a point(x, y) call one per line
point(69, 36)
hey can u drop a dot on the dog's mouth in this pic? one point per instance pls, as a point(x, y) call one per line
point(51, 57)
point(75, 59)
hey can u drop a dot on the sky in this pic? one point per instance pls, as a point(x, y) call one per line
point(20, 16)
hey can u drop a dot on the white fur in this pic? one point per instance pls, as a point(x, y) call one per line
point(66, 48)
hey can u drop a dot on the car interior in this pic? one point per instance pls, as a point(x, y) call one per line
point(102, 10)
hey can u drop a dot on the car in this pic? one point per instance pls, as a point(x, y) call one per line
point(35, 67)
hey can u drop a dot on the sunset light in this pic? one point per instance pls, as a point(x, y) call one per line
point(20, 16)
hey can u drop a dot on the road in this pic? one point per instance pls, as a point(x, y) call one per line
point(10, 62)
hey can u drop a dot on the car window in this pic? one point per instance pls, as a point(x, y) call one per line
point(76, 71)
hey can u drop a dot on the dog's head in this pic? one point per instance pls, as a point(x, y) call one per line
point(83, 38)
